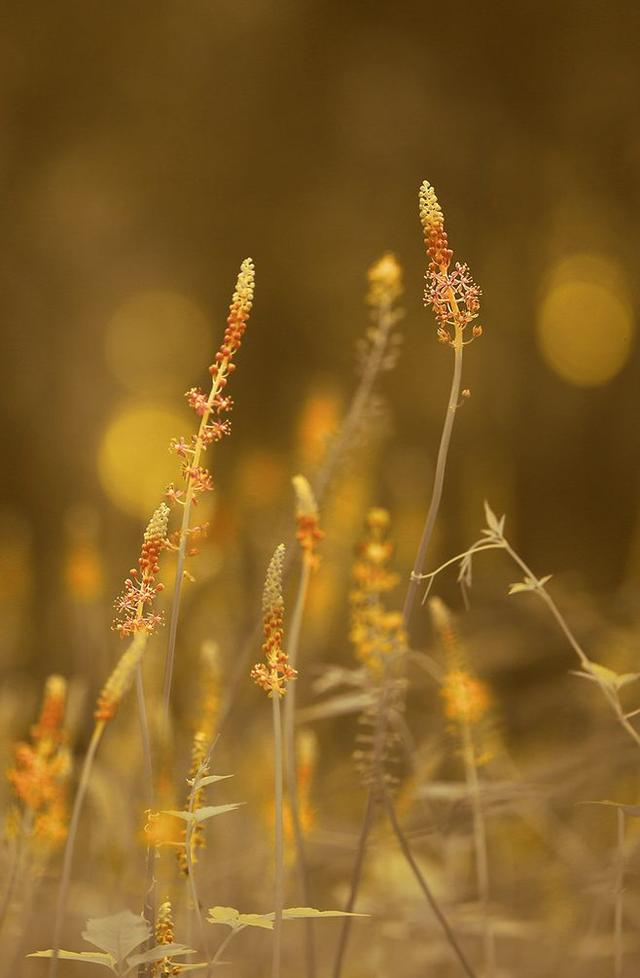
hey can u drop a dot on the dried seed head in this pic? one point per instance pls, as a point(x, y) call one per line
point(121, 679)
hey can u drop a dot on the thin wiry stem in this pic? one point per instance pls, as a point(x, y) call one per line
point(356, 875)
point(385, 321)
point(279, 836)
point(480, 846)
point(438, 482)
point(585, 662)
point(191, 875)
point(65, 878)
point(291, 763)
point(321, 483)
point(149, 896)
point(424, 886)
point(619, 898)
point(199, 446)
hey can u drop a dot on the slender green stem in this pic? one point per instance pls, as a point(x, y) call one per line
point(292, 766)
point(619, 899)
point(65, 878)
point(279, 836)
point(424, 886)
point(438, 482)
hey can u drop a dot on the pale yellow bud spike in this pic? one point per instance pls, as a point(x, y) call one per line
point(272, 594)
point(55, 687)
point(306, 504)
point(157, 526)
point(245, 285)
point(120, 680)
point(430, 210)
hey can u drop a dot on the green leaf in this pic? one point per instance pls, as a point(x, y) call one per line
point(88, 957)
point(118, 934)
point(233, 918)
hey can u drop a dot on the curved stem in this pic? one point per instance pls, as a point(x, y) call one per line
point(438, 481)
point(424, 886)
point(585, 662)
point(384, 323)
point(65, 878)
point(356, 874)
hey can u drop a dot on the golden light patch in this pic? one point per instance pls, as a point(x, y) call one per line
point(158, 342)
point(585, 323)
point(134, 463)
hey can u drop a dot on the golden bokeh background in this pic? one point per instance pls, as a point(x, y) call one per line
point(147, 150)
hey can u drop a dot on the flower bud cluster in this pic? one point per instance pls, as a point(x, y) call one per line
point(273, 674)
point(133, 605)
point(211, 408)
point(452, 294)
point(308, 532)
point(121, 679)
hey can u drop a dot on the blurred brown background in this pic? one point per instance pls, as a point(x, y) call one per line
point(146, 148)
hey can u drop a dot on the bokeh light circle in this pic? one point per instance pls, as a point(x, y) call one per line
point(158, 342)
point(585, 321)
point(134, 462)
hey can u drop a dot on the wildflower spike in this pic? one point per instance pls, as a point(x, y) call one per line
point(140, 588)
point(308, 532)
point(452, 294)
point(273, 674)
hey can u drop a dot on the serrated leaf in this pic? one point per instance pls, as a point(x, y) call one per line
point(157, 953)
point(88, 957)
point(233, 918)
point(202, 814)
point(118, 934)
point(632, 810)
